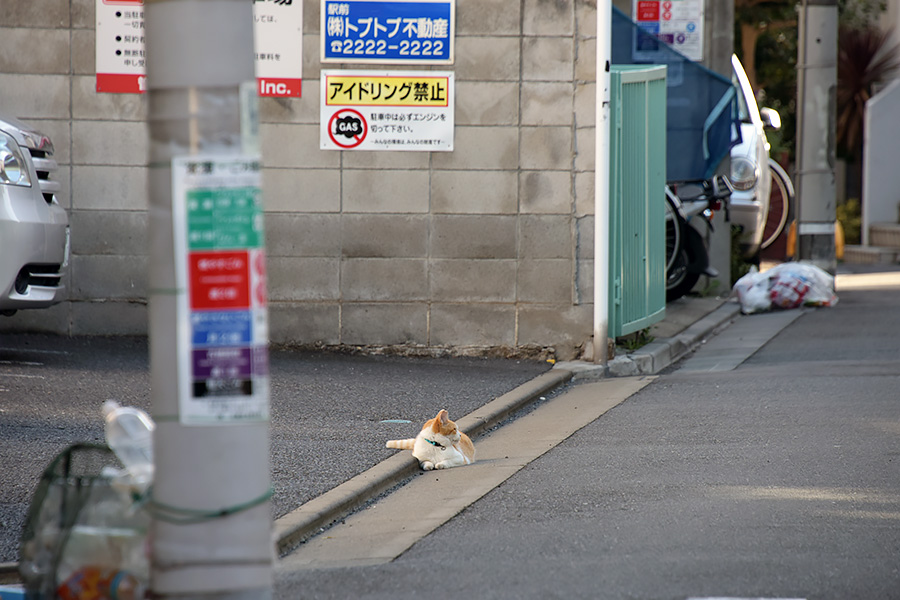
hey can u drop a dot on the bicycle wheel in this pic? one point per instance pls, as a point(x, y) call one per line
point(681, 278)
point(781, 198)
point(673, 232)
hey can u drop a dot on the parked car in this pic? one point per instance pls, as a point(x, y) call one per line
point(750, 165)
point(34, 228)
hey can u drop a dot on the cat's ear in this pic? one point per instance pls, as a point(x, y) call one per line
point(443, 417)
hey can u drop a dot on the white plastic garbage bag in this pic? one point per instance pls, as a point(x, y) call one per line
point(788, 285)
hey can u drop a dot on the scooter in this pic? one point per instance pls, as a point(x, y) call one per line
point(687, 257)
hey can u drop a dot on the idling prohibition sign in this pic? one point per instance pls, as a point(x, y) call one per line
point(347, 128)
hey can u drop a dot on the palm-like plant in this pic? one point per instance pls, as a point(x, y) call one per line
point(864, 59)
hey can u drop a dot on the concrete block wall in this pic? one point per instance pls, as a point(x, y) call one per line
point(488, 246)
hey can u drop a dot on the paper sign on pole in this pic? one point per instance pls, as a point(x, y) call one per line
point(220, 264)
point(396, 110)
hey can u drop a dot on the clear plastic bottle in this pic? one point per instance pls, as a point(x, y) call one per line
point(129, 433)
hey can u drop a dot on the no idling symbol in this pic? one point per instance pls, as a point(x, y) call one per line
point(347, 128)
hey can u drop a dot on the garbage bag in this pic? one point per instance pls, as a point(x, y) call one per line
point(788, 285)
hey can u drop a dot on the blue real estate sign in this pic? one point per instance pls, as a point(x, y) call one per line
point(388, 32)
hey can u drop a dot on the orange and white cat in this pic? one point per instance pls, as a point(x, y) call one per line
point(440, 444)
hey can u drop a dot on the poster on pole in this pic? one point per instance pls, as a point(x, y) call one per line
point(220, 269)
point(388, 31)
point(277, 43)
point(678, 23)
point(392, 110)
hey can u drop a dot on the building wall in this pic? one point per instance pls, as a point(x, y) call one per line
point(486, 246)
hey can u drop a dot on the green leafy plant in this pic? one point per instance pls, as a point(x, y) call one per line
point(636, 340)
point(739, 266)
point(849, 213)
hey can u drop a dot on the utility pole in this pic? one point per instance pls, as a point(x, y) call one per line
point(719, 41)
point(816, 116)
point(212, 524)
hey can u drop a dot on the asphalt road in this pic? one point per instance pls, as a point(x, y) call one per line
point(778, 479)
point(326, 409)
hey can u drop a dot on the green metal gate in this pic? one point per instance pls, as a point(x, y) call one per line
point(637, 236)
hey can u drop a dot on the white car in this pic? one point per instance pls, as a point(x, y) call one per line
point(750, 165)
point(34, 228)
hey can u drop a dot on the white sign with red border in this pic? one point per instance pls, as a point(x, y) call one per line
point(278, 43)
point(120, 46)
point(277, 35)
point(678, 23)
point(392, 110)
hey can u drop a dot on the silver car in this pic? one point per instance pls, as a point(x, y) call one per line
point(750, 165)
point(34, 228)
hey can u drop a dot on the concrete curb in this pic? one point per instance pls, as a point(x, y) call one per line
point(659, 354)
point(320, 512)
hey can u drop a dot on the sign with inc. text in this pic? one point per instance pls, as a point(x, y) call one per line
point(399, 110)
point(277, 43)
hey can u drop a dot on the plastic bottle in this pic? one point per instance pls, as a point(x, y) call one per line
point(129, 433)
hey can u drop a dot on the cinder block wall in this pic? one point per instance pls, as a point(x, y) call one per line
point(488, 246)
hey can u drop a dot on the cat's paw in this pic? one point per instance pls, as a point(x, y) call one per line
point(427, 465)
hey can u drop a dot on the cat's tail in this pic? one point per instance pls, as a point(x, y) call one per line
point(401, 444)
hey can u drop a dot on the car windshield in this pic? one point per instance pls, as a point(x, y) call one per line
point(743, 109)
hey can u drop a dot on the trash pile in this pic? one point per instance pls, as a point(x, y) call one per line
point(788, 285)
point(85, 535)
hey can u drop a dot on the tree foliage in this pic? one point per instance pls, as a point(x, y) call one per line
point(766, 42)
point(864, 59)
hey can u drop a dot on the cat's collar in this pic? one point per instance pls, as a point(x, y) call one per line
point(433, 443)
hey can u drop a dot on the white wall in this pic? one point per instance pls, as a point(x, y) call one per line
point(881, 178)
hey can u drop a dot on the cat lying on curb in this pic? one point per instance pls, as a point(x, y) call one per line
point(440, 444)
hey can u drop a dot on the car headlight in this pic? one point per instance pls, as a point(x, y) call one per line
point(743, 173)
point(13, 168)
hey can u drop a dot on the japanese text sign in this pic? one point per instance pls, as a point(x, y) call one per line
point(120, 46)
point(388, 31)
point(400, 110)
point(278, 45)
point(678, 23)
point(277, 41)
point(220, 271)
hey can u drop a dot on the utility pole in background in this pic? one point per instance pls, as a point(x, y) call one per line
point(719, 43)
point(816, 115)
point(212, 524)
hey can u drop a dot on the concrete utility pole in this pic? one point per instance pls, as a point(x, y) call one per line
point(211, 532)
point(816, 116)
point(719, 43)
